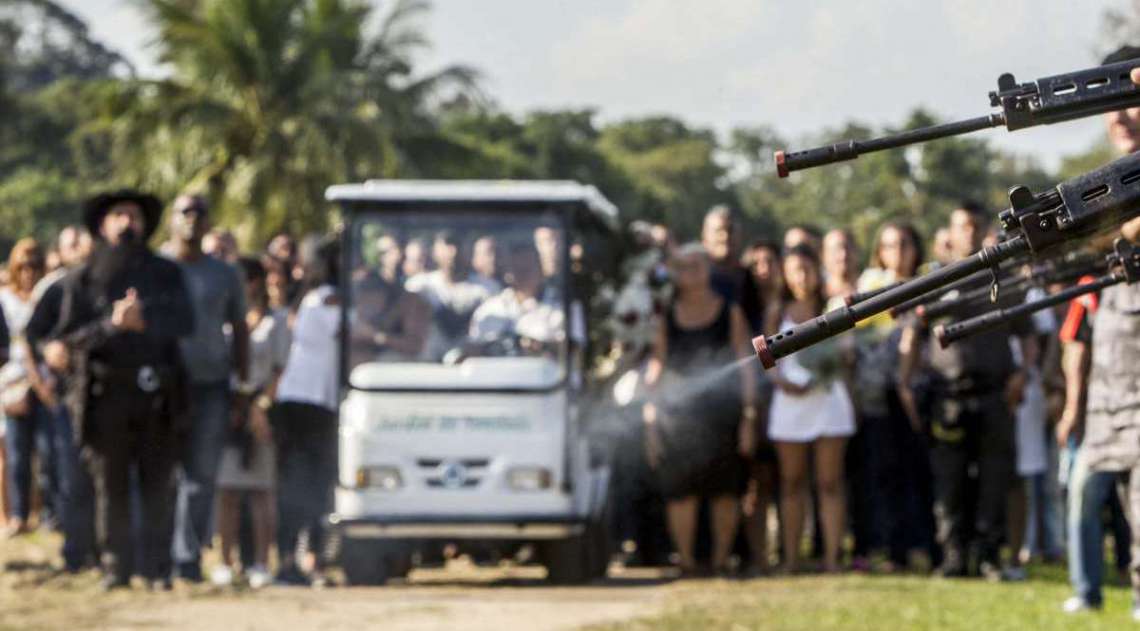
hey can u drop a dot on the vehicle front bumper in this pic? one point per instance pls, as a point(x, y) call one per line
point(454, 528)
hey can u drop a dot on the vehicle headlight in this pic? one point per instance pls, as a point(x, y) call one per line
point(379, 477)
point(528, 478)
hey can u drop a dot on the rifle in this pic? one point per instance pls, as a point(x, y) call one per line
point(1065, 270)
point(1048, 100)
point(1123, 265)
point(1036, 224)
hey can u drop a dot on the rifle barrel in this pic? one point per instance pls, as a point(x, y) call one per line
point(851, 149)
point(949, 333)
point(839, 320)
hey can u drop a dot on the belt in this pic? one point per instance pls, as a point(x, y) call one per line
point(967, 387)
point(146, 378)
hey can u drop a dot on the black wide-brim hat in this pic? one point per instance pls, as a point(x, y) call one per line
point(95, 209)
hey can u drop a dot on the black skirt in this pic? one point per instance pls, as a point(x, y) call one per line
point(699, 442)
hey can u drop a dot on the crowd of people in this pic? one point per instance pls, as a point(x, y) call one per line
point(141, 385)
point(164, 397)
point(969, 460)
point(909, 448)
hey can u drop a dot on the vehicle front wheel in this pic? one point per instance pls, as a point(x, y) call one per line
point(363, 562)
point(578, 559)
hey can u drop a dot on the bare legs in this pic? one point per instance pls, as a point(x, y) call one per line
point(1016, 511)
point(3, 483)
point(725, 518)
point(757, 500)
point(261, 505)
point(682, 517)
point(229, 514)
point(793, 459)
point(832, 501)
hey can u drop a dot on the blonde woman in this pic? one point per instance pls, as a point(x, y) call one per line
point(27, 426)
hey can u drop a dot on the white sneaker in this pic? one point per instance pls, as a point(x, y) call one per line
point(222, 576)
point(1135, 613)
point(258, 577)
point(1076, 604)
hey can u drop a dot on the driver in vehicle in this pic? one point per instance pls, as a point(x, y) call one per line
point(523, 311)
point(453, 299)
point(388, 321)
point(549, 246)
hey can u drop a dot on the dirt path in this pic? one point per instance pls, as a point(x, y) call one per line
point(460, 597)
point(478, 608)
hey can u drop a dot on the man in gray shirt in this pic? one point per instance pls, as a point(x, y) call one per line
point(211, 357)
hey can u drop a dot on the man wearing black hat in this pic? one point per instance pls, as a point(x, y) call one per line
point(120, 315)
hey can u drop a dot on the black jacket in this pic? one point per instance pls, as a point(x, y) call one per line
point(77, 311)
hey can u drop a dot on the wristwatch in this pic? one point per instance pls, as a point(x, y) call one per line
point(263, 402)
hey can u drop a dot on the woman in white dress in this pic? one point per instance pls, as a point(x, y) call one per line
point(811, 412)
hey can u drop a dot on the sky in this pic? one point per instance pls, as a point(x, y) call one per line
point(797, 66)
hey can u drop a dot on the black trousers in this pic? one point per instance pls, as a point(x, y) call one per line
point(972, 435)
point(900, 474)
point(131, 429)
point(306, 439)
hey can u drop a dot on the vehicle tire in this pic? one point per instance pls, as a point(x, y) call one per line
point(363, 562)
point(398, 564)
point(600, 546)
point(567, 561)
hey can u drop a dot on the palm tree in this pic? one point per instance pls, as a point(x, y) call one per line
point(270, 101)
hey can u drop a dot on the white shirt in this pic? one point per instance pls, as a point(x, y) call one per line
point(310, 375)
point(460, 298)
point(268, 350)
point(506, 313)
point(16, 314)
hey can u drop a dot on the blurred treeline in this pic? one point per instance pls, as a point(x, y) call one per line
point(263, 103)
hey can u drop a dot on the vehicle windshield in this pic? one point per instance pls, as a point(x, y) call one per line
point(446, 288)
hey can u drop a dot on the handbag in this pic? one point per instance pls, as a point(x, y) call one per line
point(15, 391)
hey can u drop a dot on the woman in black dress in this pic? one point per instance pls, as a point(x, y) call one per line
point(701, 419)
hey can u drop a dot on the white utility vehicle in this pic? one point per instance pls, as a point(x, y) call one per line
point(464, 352)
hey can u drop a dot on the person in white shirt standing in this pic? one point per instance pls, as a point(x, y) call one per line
point(304, 421)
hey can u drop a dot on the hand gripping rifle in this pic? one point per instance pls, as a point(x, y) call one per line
point(1056, 99)
point(1096, 201)
point(1123, 265)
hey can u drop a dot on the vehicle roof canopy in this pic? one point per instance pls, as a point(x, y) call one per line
point(476, 191)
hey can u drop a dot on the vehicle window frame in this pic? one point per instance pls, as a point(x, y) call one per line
point(358, 213)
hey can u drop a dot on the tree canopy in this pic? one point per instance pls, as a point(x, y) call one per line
point(265, 103)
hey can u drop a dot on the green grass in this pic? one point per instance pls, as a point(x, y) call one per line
point(876, 603)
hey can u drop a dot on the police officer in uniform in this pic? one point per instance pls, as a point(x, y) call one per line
point(975, 386)
point(121, 315)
